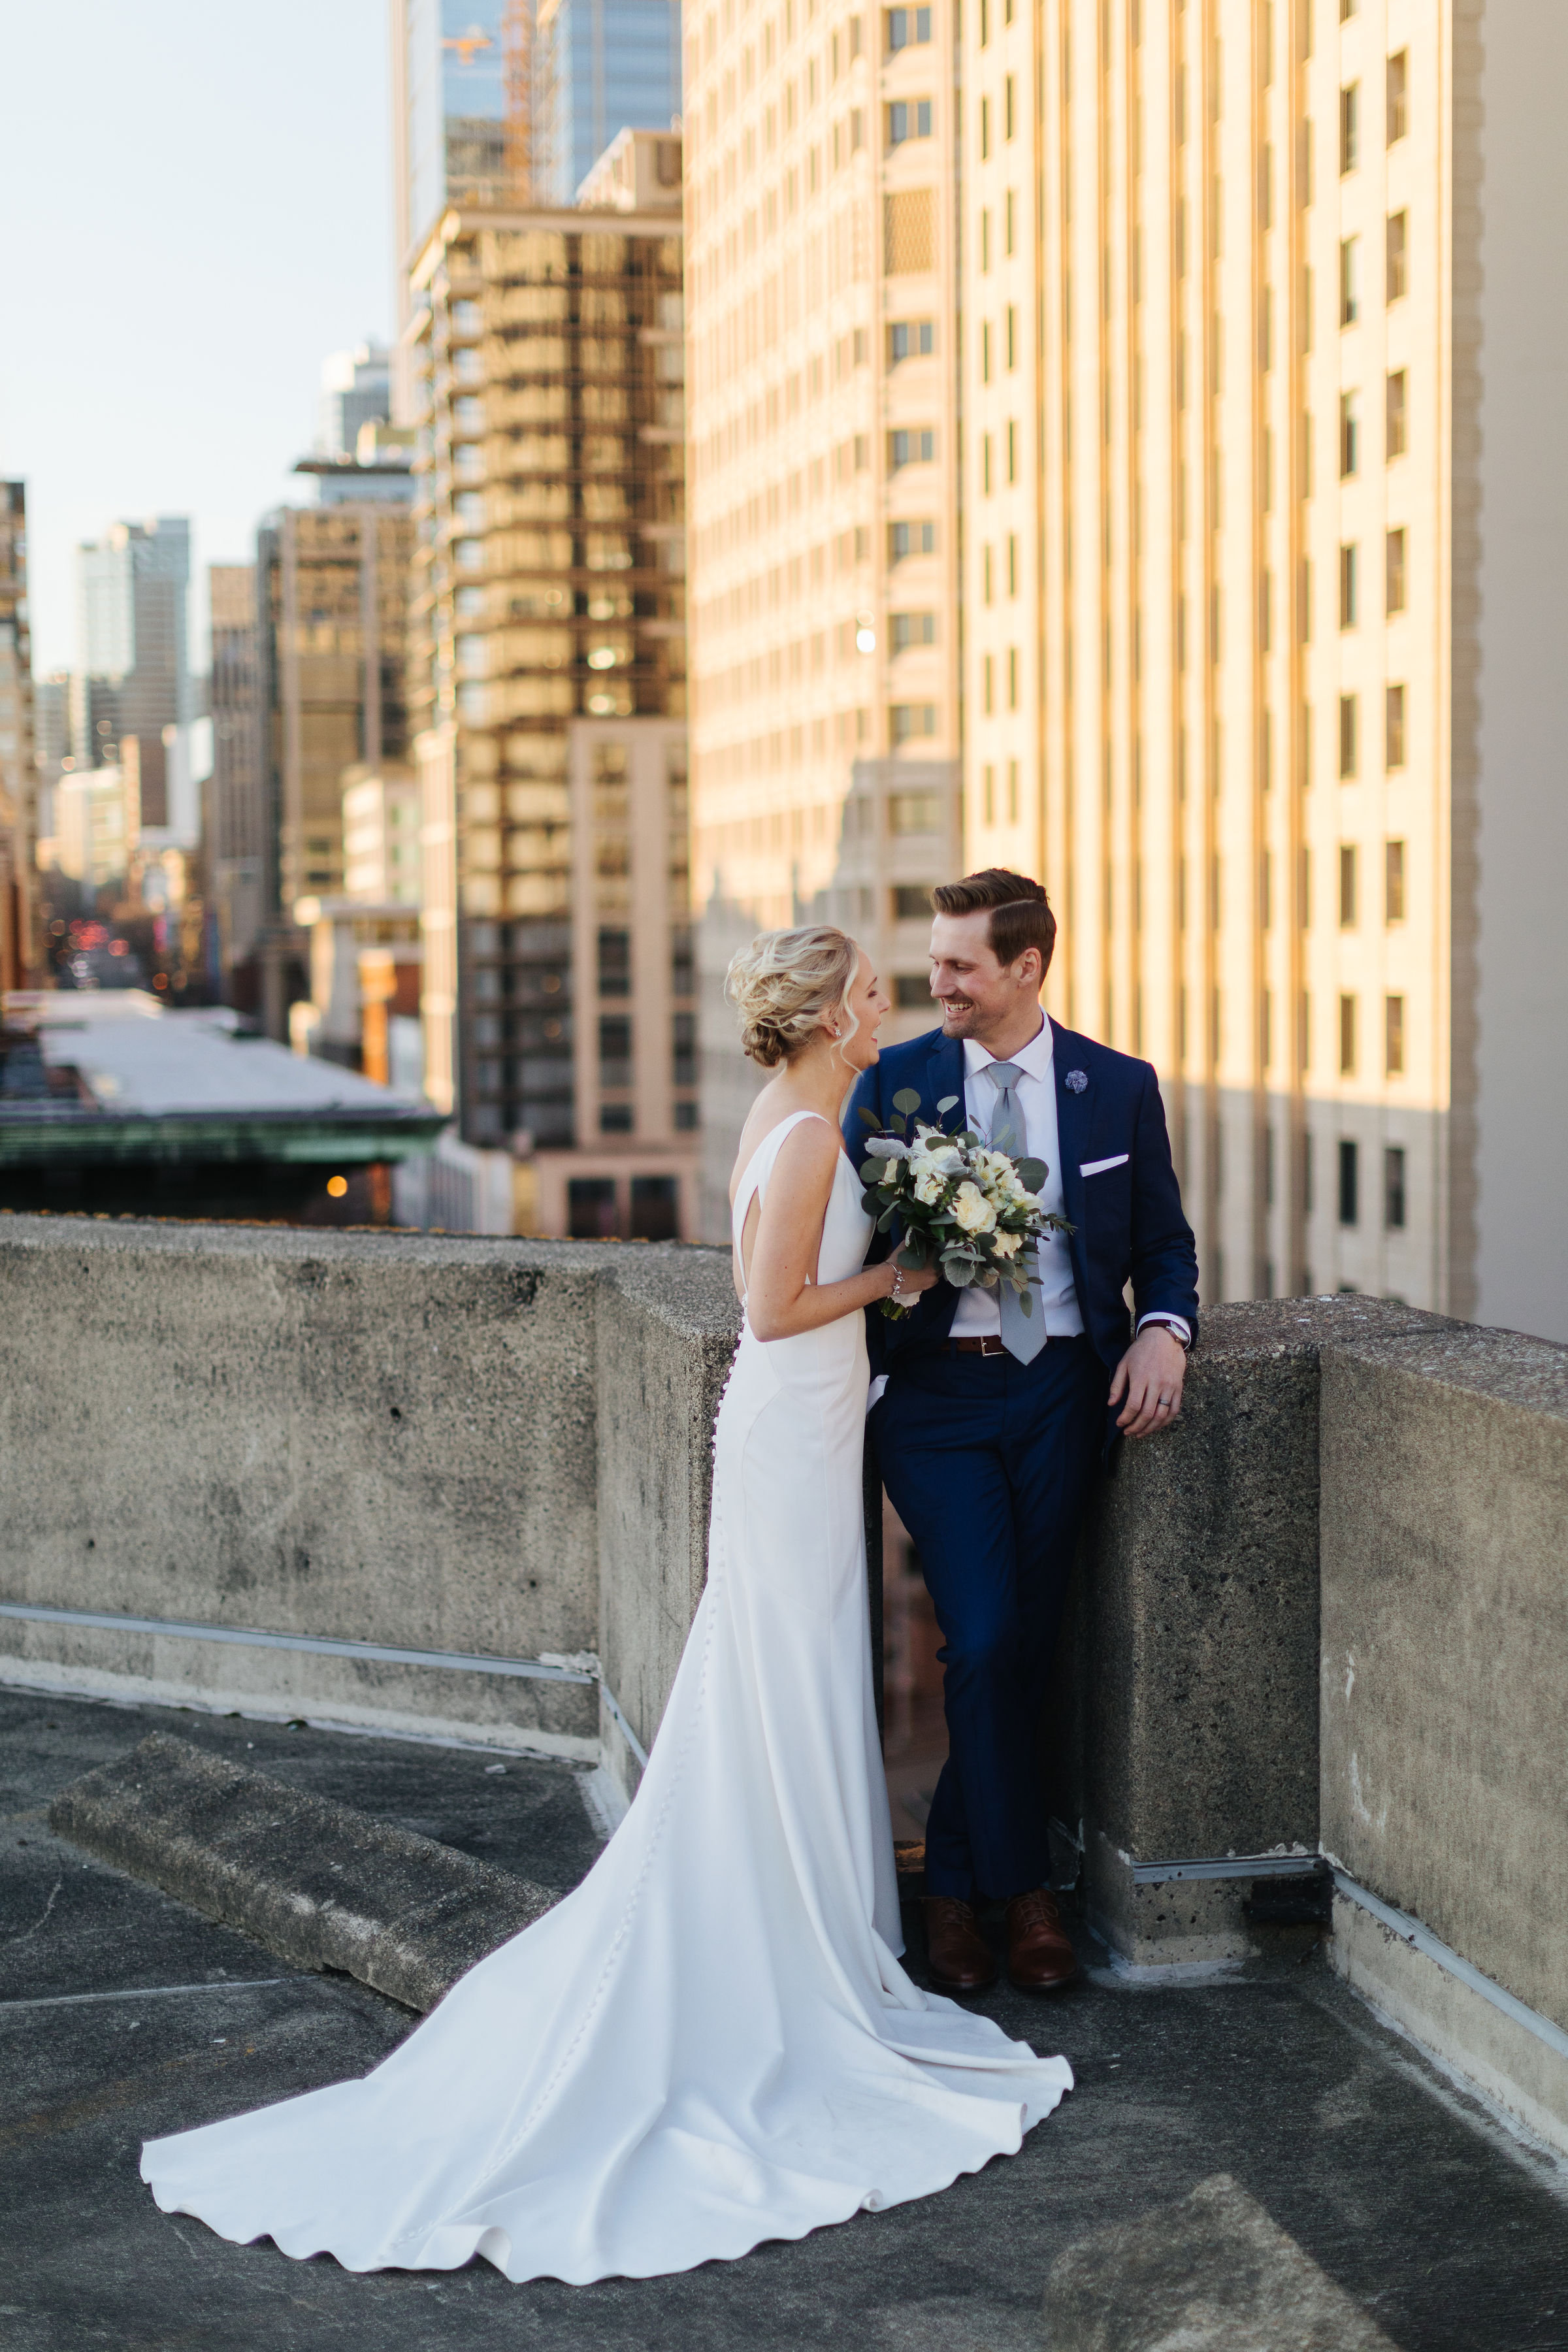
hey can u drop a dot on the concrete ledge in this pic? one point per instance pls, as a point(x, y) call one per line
point(320, 1883)
point(1211, 2273)
point(1517, 2061)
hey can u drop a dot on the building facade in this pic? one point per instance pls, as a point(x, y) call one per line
point(382, 816)
point(356, 389)
point(549, 681)
point(823, 308)
point(600, 67)
point(132, 675)
point(332, 604)
point(19, 947)
point(240, 851)
point(1222, 489)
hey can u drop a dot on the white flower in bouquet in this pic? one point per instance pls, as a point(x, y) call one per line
point(971, 1210)
point(930, 1188)
point(1006, 1245)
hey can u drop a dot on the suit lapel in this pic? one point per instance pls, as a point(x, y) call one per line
point(1074, 1112)
point(944, 1077)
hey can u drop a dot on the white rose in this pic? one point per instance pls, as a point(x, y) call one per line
point(928, 1189)
point(1008, 1245)
point(972, 1210)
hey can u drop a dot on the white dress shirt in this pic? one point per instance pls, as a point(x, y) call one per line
point(1035, 1094)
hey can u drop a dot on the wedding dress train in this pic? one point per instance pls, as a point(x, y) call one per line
point(710, 2042)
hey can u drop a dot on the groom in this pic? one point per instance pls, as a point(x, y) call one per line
point(988, 1423)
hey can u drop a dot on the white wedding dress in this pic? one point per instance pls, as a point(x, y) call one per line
point(710, 2042)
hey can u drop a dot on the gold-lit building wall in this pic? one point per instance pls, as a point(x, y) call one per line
point(19, 948)
point(550, 660)
point(822, 296)
point(332, 591)
point(1209, 565)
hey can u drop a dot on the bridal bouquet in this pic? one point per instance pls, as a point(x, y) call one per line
point(971, 1211)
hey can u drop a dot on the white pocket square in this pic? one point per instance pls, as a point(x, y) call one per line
point(1098, 1166)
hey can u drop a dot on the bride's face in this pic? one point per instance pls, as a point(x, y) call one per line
point(869, 1002)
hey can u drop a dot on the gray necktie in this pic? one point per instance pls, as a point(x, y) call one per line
point(1023, 1334)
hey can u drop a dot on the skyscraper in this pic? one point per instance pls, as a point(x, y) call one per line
point(1261, 635)
point(132, 676)
point(331, 590)
point(599, 67)
point(356, 389)
point(18, 948)
point(549, 681)
point(236, 826)
point(822, 282)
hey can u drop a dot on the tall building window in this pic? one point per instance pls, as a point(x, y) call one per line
point(1350, 435)
point(985, 351)
point(907, 119)
point(1394, 727)
point(1349, 731)
point(1012, 563)
point(1012, 678)
point(1347, 1037)
point(1350, 127)
point(907, 538)
point(1349, 1182)
point(911, 902)
point(1395, 281)
point(913, 629)
point(1012, 335)
point(1394, 1037)
point(1012, 451)
point(985, 575)
point(1349, 586)
point(1395, 413)
point(906, 29)
point(988, 793)
point(908, 720)
point(1395, 569)
point(985, 464)
point(984, 127)
point(988, 690)
point(1393, 881)
point(1396, 87)
point(1347, 886)
point(907, 447)
point(1350, 280)
point(614, 964)
point(1012, 792)
point(911, 338)
point(1009, 107)
point(1394, 1211)
point(683, 1048)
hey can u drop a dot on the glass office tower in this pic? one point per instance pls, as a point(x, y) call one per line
point(600, 67)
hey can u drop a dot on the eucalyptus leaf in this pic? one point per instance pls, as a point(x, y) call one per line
point(1032, 1174)
point(884, 1221)
point(906, 1099)
point(1025, 1303)
point(946, 1104)
point(869, 1117)
point(871, 1203)
point(902, 1124)
point(871, 1170)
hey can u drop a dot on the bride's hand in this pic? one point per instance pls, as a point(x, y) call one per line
point(904, 1284)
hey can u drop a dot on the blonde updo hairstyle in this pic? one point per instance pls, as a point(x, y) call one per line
point(784, 984)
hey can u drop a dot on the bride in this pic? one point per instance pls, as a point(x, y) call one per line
point(711, 2042)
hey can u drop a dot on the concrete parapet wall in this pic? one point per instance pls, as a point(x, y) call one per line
point(1444, 1641)
point(1328, 1608)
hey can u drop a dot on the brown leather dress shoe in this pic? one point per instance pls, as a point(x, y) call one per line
point(959, 1959)
point(1040, 1957)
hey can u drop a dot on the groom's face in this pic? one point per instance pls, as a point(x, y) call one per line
point(978, 996)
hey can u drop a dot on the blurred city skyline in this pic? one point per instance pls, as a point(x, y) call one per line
point(222, 226)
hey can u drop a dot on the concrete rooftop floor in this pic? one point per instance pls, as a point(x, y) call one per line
point(1451, 2231)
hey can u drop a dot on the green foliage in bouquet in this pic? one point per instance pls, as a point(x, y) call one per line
point(973, 1213)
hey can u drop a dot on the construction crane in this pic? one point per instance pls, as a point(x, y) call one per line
point(517, 49)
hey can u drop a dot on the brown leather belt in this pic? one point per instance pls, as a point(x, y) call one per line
point(991, 1344)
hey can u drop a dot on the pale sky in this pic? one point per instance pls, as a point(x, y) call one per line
point(197, 207)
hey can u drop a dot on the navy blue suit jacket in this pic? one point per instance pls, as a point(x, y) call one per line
point(1127, 1222)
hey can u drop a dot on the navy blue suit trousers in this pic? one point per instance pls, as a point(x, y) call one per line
point(990, 1461)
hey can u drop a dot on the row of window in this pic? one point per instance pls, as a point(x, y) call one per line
point(1395, 272)
point(1395, 578)
point(1395, 428)
point(1396, 108)
point(1394, 733)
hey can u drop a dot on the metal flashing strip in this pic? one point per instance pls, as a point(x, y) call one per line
point(369, 1652)
point(623, 1726)
point(1421, 1939)
point(1229, 1865)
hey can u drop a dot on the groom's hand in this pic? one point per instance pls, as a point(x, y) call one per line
point(1150, 1376)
